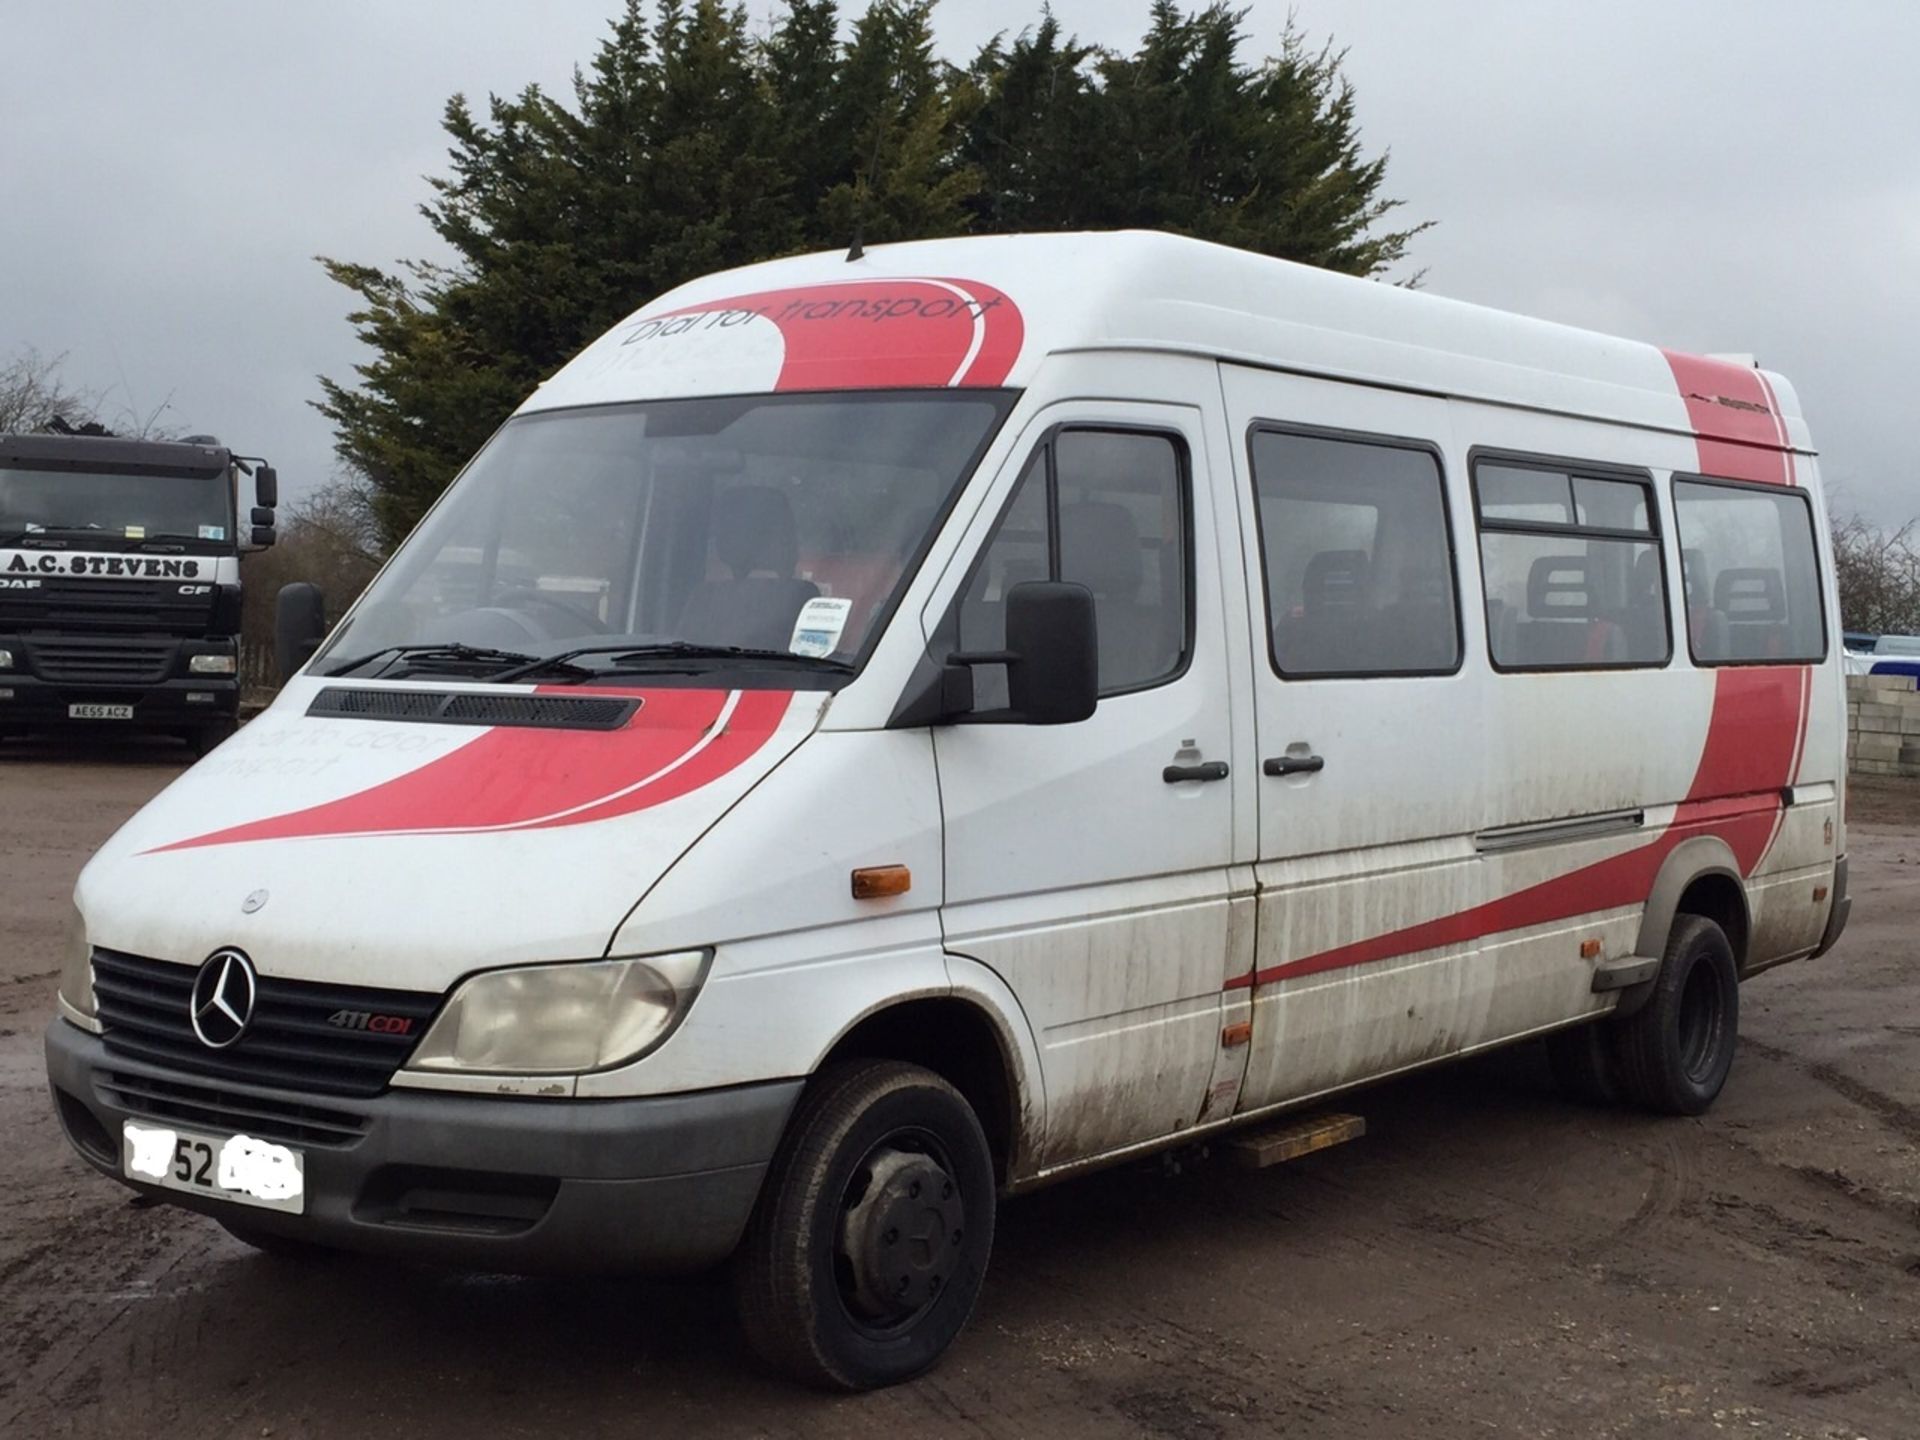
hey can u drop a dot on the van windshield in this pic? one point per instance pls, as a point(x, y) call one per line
point(618, 543)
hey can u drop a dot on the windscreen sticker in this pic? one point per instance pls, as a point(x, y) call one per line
point(136, 532)
point(816, 633)
point(33, 529)
point(213, 532)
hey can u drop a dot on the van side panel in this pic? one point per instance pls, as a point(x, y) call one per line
point(1391, 935)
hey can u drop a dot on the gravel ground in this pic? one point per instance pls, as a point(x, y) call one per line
point(1487, 1261)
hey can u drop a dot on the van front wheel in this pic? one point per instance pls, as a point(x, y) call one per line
point(870, 1240)
point(1675, 1051)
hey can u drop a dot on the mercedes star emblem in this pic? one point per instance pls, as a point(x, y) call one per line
point(222, 1003)
point(253, 902)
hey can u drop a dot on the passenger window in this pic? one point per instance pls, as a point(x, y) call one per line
point(1572, 567)
point(1752, 580)
point(1357, 557)
point(1106, 509)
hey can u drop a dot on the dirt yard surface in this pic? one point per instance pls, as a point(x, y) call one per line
point(1487, 1261)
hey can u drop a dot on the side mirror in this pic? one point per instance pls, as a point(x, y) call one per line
point(266, 487)
point(1053, 673)
point(262, 515)
point(260, 537)
point(299, 625)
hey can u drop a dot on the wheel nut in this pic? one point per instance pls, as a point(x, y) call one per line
point(946, 1191)
point(913, 1191)
point(903, 1284)
point(933, 1286)
point(892, 1237)
point(956, 1237)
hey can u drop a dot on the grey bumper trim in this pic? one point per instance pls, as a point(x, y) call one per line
point(660, 1184)
point(1842, 908)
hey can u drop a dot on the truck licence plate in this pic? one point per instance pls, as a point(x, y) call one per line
point(100, 712)
point(232, 1167)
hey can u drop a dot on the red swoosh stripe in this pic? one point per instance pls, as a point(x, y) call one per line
point(529, 779)
point(872, 334)
point(1750, 754)
point(1735, 420)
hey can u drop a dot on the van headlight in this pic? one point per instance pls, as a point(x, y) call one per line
point(562, 1019)
point(76, 965)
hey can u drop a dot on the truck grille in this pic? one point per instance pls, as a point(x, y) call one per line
point(62, 604)
point(144, 1009)
point(102, 660)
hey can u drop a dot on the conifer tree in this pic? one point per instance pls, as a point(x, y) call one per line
point(689, 145)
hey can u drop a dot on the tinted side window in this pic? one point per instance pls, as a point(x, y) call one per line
point(1752, 579)
point(1356, 554)
point(1572, 566)
point(1106, 509)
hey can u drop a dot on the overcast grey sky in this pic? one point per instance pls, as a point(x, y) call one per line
point(1732, 175)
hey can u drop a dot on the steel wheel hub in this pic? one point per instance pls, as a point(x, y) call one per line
point(901, 1237)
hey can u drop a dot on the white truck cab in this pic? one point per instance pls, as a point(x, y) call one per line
point(872, 736)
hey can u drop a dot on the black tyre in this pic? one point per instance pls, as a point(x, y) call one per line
point(1583, 1064)
point(870, 1240)
point(207, 738)
point(1675, 1051)
point(280, 1247)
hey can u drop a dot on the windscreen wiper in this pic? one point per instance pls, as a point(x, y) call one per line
point(438, 650)
point(647, 655)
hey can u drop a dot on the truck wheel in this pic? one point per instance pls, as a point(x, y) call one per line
point(870, 1240)
point(1675, 1051)
point(1583, 1064)
point(207, 738)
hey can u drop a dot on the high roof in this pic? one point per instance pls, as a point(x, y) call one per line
point(821, 321)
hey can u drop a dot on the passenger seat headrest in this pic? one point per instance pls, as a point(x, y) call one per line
point(1100, 549)
point(753, 532)
point(1334, 579)
point(1749, 596)
point(1560, 587)
point(1693, 574)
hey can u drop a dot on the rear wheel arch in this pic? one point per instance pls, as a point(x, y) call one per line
point(1701, 877)
point(962, 1043)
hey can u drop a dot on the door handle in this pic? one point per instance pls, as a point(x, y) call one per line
point(1293, 765)
point(1207, 770)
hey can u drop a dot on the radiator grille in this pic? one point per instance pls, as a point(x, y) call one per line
point(145, 1005)
point(104, 660)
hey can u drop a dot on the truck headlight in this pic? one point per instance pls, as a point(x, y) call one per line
point(76, 964)
point(6, 659)
point(562, 1019)
point(210, 664)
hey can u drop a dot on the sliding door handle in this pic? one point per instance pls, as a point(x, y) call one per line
point(1209, 770)
point(1293, 765)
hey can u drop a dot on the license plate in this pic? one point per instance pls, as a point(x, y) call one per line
point(232, 1167)
point(100, 712)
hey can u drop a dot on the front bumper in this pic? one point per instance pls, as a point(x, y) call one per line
point(41, 705)
point(659, 1185)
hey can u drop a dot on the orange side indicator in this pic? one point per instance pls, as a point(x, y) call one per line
point(876, 882)
point(1589, 949)
point(1238, 1033)
point(1819, 893)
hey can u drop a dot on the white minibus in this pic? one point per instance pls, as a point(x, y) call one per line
point(875, 735)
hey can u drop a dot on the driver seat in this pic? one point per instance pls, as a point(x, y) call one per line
point(757, 605)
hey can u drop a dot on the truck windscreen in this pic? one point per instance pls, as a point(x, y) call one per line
point(139, 507)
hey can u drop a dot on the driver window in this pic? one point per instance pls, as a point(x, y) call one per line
point(1104, 508)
